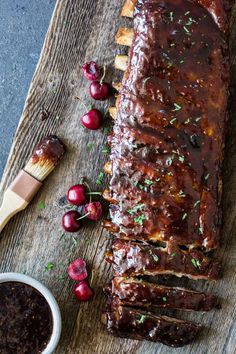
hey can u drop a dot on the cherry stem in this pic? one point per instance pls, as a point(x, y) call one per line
point(83, 216)
point(104, 74)
point(84, 105)
point(94, 193)
point(90, 197)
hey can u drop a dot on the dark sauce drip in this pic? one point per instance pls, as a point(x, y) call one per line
point(167, 147)
point(25, 319)
point(50, 148)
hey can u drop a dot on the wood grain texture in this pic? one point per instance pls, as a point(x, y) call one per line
point(81, 30)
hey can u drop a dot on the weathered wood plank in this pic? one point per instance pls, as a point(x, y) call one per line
point(81, 30)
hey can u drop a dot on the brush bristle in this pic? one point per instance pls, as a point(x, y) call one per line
point(46, 155)
point(39, 170)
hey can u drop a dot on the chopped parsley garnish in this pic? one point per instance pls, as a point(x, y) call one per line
point(181, 158)
point(145, 80)
point(134, 146)
point(155, 257)
point(177, 107)
point(148, 182)
point(187, 121)
point(49, 266)
point(139, 219)
point(196, 203)
point(106, 150)
point(207, 176)
point(164, 299)
point(139, 185)
point(173, 254)
point(158, 179)
point(173, 120)
point(165, 55)
point(90, 146)
point(169, 65)
point(75, 241)
point(100, 178)
point(88, 242)
point(184, 216)
point(200, 229)
point(41, 205)
point(142, 319)
point(182, 194)
point(196, 263)
point(186, 30)
point(169, 161)
point(135, 209)
point(197, 119)
point(170, 174)
point(190, 21)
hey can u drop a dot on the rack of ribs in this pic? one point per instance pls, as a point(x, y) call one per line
point(167, 151)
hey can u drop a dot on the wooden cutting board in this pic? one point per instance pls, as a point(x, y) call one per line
point(82, 30)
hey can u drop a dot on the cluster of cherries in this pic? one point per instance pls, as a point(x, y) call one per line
point(77, 195)
point(77, 271)
point(99, 90)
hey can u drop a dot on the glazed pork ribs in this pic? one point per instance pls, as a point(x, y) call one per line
point(166, 158)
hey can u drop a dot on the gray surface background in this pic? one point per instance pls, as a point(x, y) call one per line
point(23, 25)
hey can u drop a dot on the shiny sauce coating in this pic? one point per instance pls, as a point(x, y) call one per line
point(136, 324)
point(168, 141)
point(49, 148)
point(133, 292)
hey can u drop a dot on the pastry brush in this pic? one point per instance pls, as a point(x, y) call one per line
point(46, 156)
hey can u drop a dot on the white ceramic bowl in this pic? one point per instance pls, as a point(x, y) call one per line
point(56, 315)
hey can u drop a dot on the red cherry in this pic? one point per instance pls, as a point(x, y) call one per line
point(83, 292)
point(99, 91)
point(77, 270)
point(92, 120)
point(76, 195)
point(70, 221)
point(93, 210)
point(91, 71)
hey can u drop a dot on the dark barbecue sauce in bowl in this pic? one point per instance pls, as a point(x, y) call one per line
point(26, 322)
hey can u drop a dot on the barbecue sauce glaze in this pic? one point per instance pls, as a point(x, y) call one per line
point(25, 319)
point(50, 148)
point(168, 141)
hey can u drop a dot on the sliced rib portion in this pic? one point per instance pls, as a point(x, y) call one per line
point(139, 293)
point(131, 323)
point(132, 259)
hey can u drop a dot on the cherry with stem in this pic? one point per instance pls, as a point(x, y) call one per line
point(92, 119)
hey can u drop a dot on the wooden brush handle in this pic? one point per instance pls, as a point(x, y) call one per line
point(12, 204)
point(17, 196)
